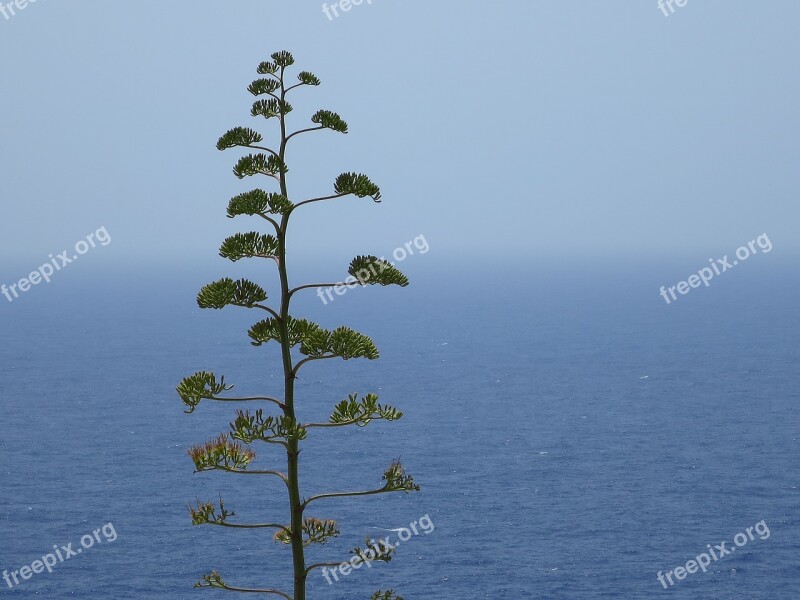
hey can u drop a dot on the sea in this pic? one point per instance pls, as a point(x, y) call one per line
point(574, 435)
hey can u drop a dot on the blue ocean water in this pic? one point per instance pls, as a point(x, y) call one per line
point(573, 435)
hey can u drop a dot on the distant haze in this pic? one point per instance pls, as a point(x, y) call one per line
point(539, 131)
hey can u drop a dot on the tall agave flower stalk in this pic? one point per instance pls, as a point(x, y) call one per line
point(302, 342)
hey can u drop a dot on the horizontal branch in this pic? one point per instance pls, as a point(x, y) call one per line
point(382, 490)
point(268, 309)
point(320, 199)
point(270, 441)
point(314, 285)
point(249, 399)
point(304, 131)
point(271, 220)
point(278, 474)
point(342, 424)
point(309, 359)
point(225, 586)
point(275, 154)
point(320, 565)
point(253, 526)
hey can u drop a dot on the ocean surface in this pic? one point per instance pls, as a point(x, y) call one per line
point(572, 433)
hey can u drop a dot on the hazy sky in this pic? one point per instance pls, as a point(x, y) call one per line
point(532, 130)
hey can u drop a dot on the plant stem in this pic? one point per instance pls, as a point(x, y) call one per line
point(293, 450)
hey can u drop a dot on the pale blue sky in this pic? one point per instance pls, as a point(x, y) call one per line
point(533, 130)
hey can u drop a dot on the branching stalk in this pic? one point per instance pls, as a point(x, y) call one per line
point(231, 452)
